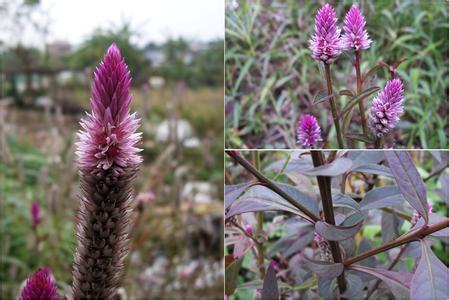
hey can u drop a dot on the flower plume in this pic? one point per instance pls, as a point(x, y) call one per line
point(355, 36)
point(109, 135)
point(309, 132)
point(40, 286)
point(35, 212)
point(108, 161)
point(325, 43)
point(386, 108)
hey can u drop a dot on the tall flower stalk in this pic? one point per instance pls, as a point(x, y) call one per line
point(108, 161)
point(326, 47)
point(356, 38)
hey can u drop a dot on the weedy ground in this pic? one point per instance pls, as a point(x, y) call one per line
point(38, 164)
point(271, 77)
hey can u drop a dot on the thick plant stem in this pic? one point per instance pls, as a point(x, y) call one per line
point(324, 184)
point(416, 235)
point(259, 217)
point(358, 55)
point(333, 106)
point(271, 185)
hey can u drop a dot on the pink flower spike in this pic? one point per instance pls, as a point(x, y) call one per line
point(386, 108)
point(309, 132)
point(109, 138)
point(325, 43)
point(40, 286)
point(355, 37)
point(35, 212)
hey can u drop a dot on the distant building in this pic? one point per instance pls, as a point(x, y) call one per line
point(59, 49)
point(154, 53)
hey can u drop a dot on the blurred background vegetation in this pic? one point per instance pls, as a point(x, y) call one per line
point(271, 78)
point(177, 91)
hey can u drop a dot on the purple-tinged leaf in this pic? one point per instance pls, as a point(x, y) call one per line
point(327, 288)
point(335, 232)
point(408, 180)
point(270, 289)
point(354, 286)
point(430, 280)
point(341, 200)
point(337, 167)
point(299, 244)
point(261, 198)
point(433, 219)
point(293, 242)
point(398, 282)
point(374, 169)
point(296, 162)
point(391, 224)
point(232, 192)
point(443, 192)
point(364, 246)
point(323, 268)
point(363, 158)
point(302, 198)
point(381, 197)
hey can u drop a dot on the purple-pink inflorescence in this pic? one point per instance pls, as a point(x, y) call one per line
point(40, 286)
point(355, 36)
point(309, 132)
point(109, 137)
point(108, 161)
point(35, 212)
point(386, 108)
point(326, 42)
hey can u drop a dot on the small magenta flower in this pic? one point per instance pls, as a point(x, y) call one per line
point(40, 286)
point(35, 212)
point(386, 108)
point(249, 229)
point(309, 132)
point(326, 43)
point(108, 161)
point(355, 36)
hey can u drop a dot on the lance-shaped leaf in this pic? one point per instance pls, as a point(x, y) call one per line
point(341, 200)
point(354, 101)
point(261, 198)
point(337, 167)
point(399, 283)
point(335, 232)
point(232, 272)
point(232, 192)
point(430, 280)
point(270, 289)
point(362, 158)
point(323, 268)
point(392, 225)
point(374, 169)
point(291, 244)
point(381, 197)
point(409, 181)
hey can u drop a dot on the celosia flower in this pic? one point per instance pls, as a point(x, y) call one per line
point(386, 108)
point(323, 245)
point(35, 212)
point(325, 43)
point(108, 160)
point(249, 229)
point(355, 36)
point(309, 132)
point(40, 286)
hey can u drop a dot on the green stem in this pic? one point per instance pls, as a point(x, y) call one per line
point(324, 184)
point(358, 55)
point(333, 106)
point(259, 217)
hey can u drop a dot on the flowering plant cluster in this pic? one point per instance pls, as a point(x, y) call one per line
point(340, 225)
point(327, 44)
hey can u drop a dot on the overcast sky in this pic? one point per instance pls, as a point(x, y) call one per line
point(156, 20)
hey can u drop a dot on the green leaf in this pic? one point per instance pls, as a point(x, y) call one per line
point(354, 101)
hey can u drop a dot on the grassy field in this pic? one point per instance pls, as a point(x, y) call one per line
point(271, 78)
point(171, 236)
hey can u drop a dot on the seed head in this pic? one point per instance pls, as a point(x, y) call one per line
point(386, 108)
point(355, 36)
point(325, 43)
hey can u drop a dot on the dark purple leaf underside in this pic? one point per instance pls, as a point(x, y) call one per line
point(232, 192)
point(398, 283)
point(430, 280)
point(408, 180)
point(270, 288)
point(323, 268)
point(337, 167)
point(335, 232)
point(381, 197)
